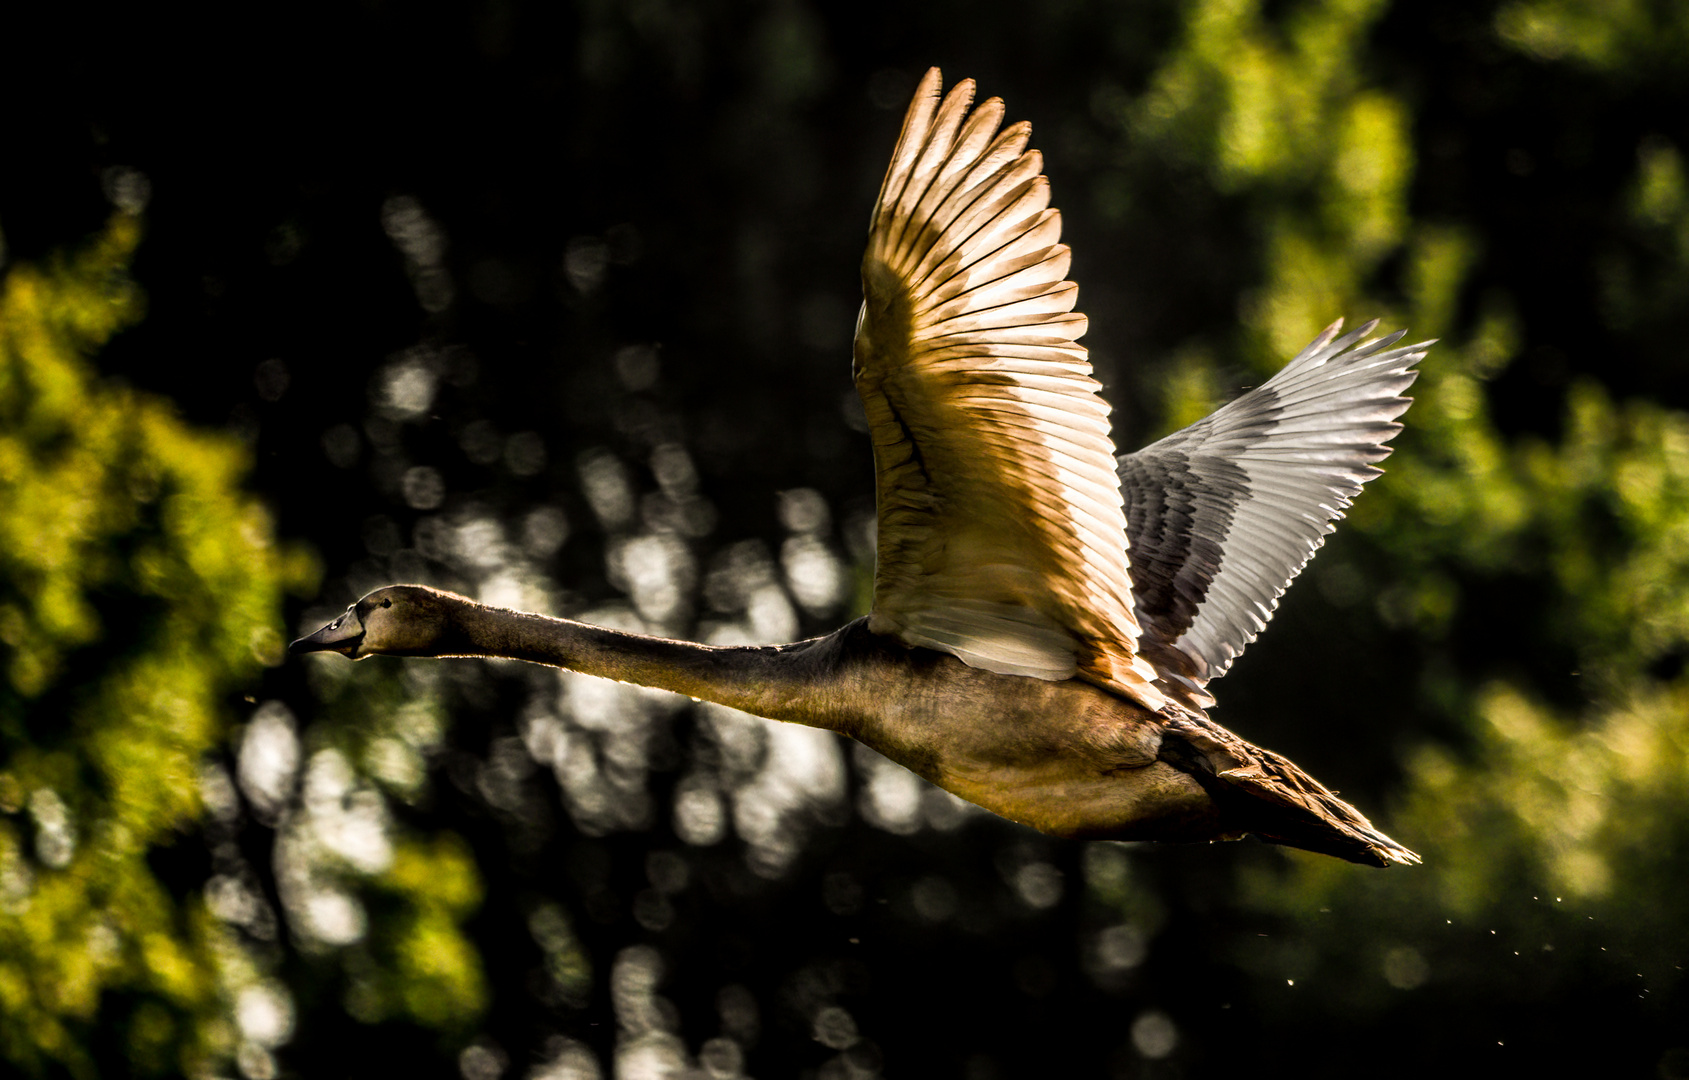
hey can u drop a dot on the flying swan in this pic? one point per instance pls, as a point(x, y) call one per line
point(1046, 617)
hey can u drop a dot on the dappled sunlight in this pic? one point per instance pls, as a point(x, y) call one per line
point(567, 1060)
point(656, 571)
point(1154, 1034)
point(891, 794)
point(423, 243)
point(700, 817)
point(343, 815)
point(1583, 807)
point(648, 1042)
point(269, 759)
point(814, 575)
point(603, 779)
point(606, 484)
point(802, 770)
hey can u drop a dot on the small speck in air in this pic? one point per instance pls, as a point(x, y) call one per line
point(1290, 982)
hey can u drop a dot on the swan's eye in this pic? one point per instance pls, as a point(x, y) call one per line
point(387, 603)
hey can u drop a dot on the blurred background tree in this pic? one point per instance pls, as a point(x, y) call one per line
point(552, 304)
point(138, 589)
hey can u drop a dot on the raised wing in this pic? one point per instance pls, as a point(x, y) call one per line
point(1224, 514)
point(1001, 535)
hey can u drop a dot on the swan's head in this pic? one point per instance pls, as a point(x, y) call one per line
point(400, 620)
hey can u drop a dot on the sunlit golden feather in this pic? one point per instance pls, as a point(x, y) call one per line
point(1002, 538)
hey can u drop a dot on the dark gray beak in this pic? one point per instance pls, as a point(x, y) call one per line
point(343, 636)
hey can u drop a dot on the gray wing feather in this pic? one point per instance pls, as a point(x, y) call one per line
point(1223, 515)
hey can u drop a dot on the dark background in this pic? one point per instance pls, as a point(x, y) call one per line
point(696, 178)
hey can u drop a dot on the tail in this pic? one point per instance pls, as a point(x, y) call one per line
point(1266, 794)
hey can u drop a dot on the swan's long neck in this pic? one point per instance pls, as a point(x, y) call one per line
point(786, 682)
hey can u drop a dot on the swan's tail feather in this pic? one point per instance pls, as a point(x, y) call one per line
point(1266, 794)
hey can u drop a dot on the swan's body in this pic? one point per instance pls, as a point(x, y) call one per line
point(1021, 653)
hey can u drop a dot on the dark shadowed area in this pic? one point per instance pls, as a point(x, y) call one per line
point(551, 305)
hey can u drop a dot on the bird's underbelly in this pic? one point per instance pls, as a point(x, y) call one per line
point(1154, 801)
point(1066, 758)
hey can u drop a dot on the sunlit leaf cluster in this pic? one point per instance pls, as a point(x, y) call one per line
point(139, 588)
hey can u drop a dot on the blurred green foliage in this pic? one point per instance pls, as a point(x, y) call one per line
point(1585, 804)
point(139, 588)
point(1280, 112)
point(1618, 38)
point(405, 956)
